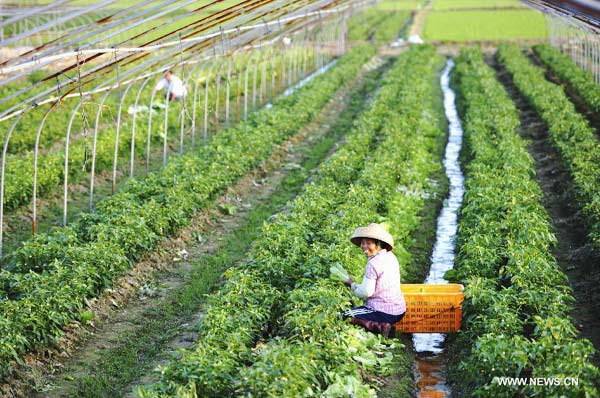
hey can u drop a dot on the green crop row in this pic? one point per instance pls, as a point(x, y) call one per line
point(20, 165)
point(363, 25)
point(52, 275)
point(580, 80)
point(389, 29)
point(517, 300)
point(311, 352)
point(569, 131)
point(377, 25)
point(310, 317)
point(214, 363)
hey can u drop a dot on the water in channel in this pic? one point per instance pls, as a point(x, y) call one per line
point(430, 369)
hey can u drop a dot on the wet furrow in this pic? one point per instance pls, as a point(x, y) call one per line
point(430, 362)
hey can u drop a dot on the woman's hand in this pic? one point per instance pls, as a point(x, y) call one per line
point(349, 282)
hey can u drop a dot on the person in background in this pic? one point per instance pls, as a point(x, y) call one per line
point(385, 304)
point(175, 87)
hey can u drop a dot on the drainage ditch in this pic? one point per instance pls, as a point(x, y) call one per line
point(430, 359)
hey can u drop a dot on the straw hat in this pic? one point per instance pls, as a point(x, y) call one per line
point(372, 231)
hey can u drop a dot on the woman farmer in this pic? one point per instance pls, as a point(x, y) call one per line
point(380, 287)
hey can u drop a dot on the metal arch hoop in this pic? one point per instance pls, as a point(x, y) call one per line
point(218, 95)
point(133, 125)
point(2, 179)
point(247, 71)
point(66, 170)
point(205, 129)
point(35, 167)
point(195, 102)
point(228, 91)
point(255, 76)
point(117, 135)
point(93, 170)
point(148, 131)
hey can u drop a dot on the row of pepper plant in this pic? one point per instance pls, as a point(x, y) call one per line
point(389, 29)
point(20, 162)
point(310, 325)
point(517, 299)
point(225, 342)
point(570, 133)
point(52, 275)
point(377, 25)
point(292, 341)
point(581, 81)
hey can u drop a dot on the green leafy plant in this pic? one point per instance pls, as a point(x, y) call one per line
point(307, 347)
point(569, 131)
point(48, 281)
point(515, 291)
point(580, 80)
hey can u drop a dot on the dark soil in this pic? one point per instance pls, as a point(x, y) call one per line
point(575, 254)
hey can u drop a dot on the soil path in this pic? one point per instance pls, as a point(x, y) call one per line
point(419, 20)
point(576, 256)
point(131, 302)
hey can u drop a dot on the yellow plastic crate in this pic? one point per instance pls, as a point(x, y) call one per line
point(434, 308)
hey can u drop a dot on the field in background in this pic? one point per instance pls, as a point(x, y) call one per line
point(401, 4)
point(477, 25)
point(119, 4)
point(458, 4)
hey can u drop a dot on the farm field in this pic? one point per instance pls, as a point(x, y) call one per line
point(195, 245)
point(492, 25)
point(136, 153)
point(471, 4)
point(531, 246)
point(400, 4)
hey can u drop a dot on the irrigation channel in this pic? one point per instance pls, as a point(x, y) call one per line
point(430, 360)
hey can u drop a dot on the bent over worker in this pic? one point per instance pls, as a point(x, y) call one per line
point(385, 304)
point(175, 87)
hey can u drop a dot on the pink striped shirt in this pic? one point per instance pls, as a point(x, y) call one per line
point(383, 267)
